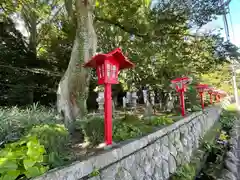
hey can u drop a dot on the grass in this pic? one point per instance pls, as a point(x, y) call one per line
point(231, 108)
point(14, 122)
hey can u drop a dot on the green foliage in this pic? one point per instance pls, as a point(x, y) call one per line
point(128, 127)
point(196, 108)
point(162, 120)
point(95, 173)
point(223, 136)
point(15, 121)
point(215, 160)
point(123, 131)
point(219, 77)
point(186, 172)
point(94, 130)
point(227, 120)
point(131, 118)
point(54, 137)
point(22, 158)
point(231, 108)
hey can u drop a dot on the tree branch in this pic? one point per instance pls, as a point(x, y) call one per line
point(135, 31)
point(49, 21)
point(118, 24)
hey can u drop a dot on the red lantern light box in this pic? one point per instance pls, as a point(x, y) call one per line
point(210, 92)
point(180, 84)
point(201, 88)
point(108, 67)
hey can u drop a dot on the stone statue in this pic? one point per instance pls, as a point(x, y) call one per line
point(124, 102)
point(129, 98)
point(170, 103)
point(145, 96)
point(134, 99)
point(100, 101)
point(152, 97)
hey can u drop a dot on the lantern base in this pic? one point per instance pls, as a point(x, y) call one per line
point(107, 147)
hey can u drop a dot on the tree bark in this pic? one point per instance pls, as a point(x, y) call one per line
point(73, 88)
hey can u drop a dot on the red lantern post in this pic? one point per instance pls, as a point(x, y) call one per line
point(180, 84)
point(210, 92)
point(201, 88)
point(218, 97)
point(215, 93)
point(108, 67)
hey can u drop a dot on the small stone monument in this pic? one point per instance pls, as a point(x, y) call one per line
point(100, 101)
point(145, 96)
point(124, 102)
point(170, 103)
point(134, 99)
point(148, 110)
point(129, 99)
point(152, 97)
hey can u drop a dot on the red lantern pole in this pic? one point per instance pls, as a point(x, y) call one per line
point(108, 113)
point(210, 98)
point(201, 88)
point(182, 102)
point(219, 98)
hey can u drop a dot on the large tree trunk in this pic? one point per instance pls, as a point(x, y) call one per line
point(73, 87)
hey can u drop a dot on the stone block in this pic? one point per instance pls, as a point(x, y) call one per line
point(230, 166)
point(95, 178)
point(110, 172)
point(123, 174)
point(172, 164)
point(165, 170)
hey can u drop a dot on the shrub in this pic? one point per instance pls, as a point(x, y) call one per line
point(123, 131)
point(227, 120)
point(24, 158)
point(54, 137)
point(94, 130)
point(131, 118)
point(186, 172)
point(14, 122)
point(196, 108)
point(162, 120)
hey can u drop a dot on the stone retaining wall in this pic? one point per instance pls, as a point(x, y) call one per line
point(152, 157)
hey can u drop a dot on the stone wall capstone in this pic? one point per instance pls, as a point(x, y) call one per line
point(153, 157)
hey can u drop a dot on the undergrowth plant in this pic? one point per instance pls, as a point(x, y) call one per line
point(162, 120)
point(24, 158)
point(93, 130)
point(227, 120)
point(54, 137)
point(16, 121)
point(123, 131)
point(186, 172)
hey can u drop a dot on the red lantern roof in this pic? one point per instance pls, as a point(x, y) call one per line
point(202, 86)
point(180, 79)
point(117, 54)
point(222, 92)
point(210, 90)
